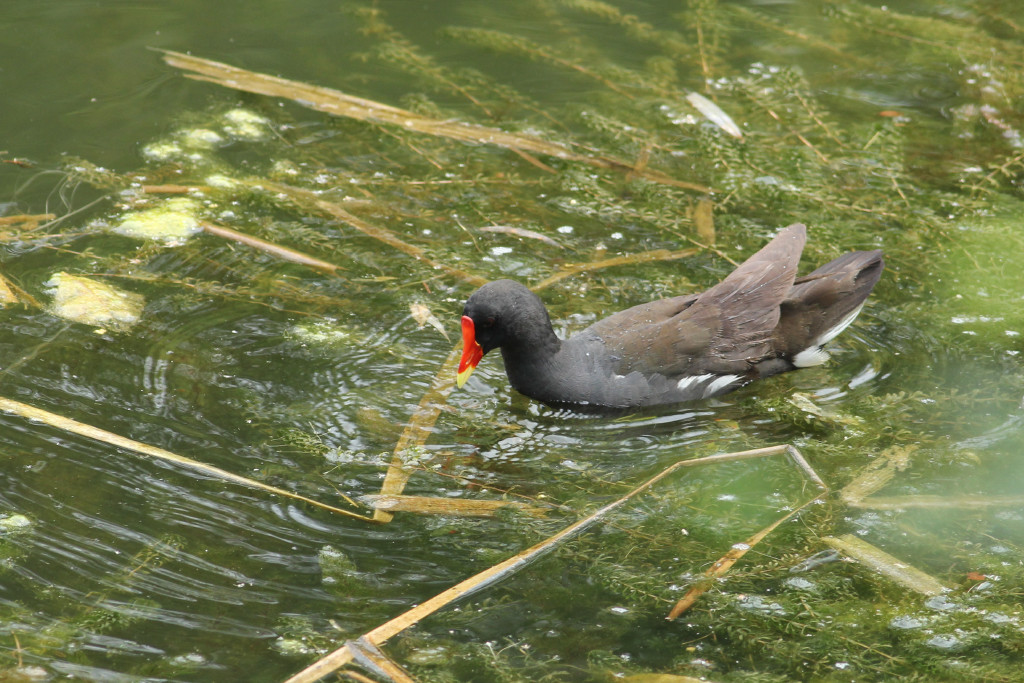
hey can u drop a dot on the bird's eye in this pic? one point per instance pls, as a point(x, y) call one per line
point(489, 322)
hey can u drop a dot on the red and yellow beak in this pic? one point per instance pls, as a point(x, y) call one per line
point(471, 351)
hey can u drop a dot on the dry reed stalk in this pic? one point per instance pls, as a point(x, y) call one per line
point(877, 474)
point(269, 247)
point(173, 189)
point(642, 257)
point(417, 430)
point(311, 201)
point(371, 658)
point(455, 507)
point(82, 429)
point(31, 221)
point(938, 502)
point(726, 562)
point(376, 637)
point(338, 103)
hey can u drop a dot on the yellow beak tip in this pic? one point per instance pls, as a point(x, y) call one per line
point(461, 378)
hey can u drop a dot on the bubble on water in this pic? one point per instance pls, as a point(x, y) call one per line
point(907, 623)
point(945, 642)
point(941, 603)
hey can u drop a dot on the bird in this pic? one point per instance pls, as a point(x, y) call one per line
point(761, 320)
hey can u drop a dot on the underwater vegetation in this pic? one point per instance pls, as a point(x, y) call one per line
point(274, 292)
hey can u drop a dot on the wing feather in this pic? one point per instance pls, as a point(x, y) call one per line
point(726, 327)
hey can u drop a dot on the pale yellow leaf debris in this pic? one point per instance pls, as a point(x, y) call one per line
point(7, 295)
point(86, 301)
point(423, 316)
point(713, 113)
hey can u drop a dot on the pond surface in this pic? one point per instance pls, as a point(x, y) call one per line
point(896, 128)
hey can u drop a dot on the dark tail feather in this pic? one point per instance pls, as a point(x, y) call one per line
point(822, 304)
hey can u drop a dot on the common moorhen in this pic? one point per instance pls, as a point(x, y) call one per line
point(759, 321)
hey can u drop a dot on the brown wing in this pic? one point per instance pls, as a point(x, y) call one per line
point(723, 328)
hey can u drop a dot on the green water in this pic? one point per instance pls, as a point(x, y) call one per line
point(895, 128)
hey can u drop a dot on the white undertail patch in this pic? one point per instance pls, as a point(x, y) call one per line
point(814, 354)
point(810, 357)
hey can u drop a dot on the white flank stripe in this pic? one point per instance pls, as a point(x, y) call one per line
point(686, 382)
point(720, 384)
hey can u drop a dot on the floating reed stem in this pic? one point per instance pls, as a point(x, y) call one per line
point(338, 103)
point(82, 429)
point(376, 637)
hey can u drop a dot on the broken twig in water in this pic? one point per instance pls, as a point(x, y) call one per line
point(417, 431)
point(641, 257)
point(372, 659)
point(173, 189)
point(384, 632)
point(456, 507)
point(269, 247)
point(340, 104)
point(740, 549)
point(938, 502)
point(26, 222)
point(311, 200)
point(82, 429)
point(521, 232)
point(356, 676)
point(725, 563)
